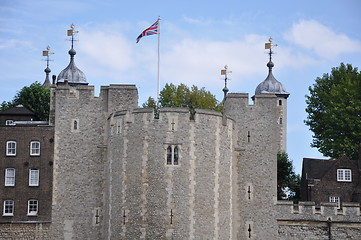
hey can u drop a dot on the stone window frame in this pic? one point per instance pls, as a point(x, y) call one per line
point(344, 175)
point(10, 174)
point(11, 148)
point(335, 199)
point(34, 176)
point(35, 151)
point(74, 125)
point(8, 208)
point(172, 155)
point(33, 207)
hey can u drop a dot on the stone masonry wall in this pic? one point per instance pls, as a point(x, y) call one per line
point(32, 231)
point(149, 199)
point(79, 159)
point(257, 146)
point(310, 222)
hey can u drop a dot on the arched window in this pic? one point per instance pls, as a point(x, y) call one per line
point(172, 155)
point(169, 155)
point(175, 155)
point(75, 125)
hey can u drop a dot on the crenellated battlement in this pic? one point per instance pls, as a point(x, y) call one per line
point(168, 115)
point(326, 211)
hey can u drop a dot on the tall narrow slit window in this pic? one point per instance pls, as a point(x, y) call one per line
point(34, 177)
point(175, 155)
point(172, 155)
point(10, 148)
point(10, 177)
point(35, 148)
point(169, 155)
point(8, 208)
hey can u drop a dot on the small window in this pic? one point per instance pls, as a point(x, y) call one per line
point(32, 207)
point(35, 148)
point(10, 148)
point(280, 102)
point(75, 125)
point(172, 155)
point(175, 155)
point(10, 177)
point(169, 155)
point(34, 177)
point(10, 123)
point(336, 200)
point(8, 208)
point(344, 175)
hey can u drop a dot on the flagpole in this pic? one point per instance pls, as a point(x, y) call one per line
point(158, 76)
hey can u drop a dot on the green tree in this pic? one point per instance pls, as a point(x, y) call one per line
point(288, 182)
point(334, 112)
point(35, 97)
point(183, 96)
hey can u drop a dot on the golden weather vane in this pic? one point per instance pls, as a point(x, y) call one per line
point(225, 72)
point(71, 32)
point(47, 54)
point(269, 46)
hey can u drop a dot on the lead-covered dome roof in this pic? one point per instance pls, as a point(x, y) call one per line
point(72, 73)
point(270, 84)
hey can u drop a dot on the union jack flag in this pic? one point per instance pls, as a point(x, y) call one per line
point(149, 31)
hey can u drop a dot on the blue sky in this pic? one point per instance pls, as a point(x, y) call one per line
point(197, 39)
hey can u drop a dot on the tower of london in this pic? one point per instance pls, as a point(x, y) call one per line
point(119, 172)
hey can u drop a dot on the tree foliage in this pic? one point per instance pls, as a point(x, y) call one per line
point(183, 96)
point(35, 97)
point(334, 112)
point(288, 182)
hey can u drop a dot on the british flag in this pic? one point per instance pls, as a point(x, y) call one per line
point(149, 31)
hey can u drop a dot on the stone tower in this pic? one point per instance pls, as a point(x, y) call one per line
point(261, 133)
point(121, 173)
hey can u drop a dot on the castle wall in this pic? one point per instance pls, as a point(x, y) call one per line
point(149, 199)
point(308, 221)
point(113, 180)
point(78, 158)
point(258, 141)
point(28, 231)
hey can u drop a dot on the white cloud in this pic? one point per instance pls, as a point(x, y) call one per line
point(326, 43)
point(107, 49)
point(200, 61)
point(16, 44)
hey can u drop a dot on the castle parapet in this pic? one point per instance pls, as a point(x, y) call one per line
point(326, 211)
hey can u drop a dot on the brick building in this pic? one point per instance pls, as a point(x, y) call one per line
point(331, 180)
point(26, 167)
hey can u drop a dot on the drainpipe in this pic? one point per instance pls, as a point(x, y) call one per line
point(329, 228)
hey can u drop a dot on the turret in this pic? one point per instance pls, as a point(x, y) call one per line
point(72, 74)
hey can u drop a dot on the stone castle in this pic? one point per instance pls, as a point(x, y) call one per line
point(121, 173)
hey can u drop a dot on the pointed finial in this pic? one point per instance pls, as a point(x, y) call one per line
point(225, 72)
